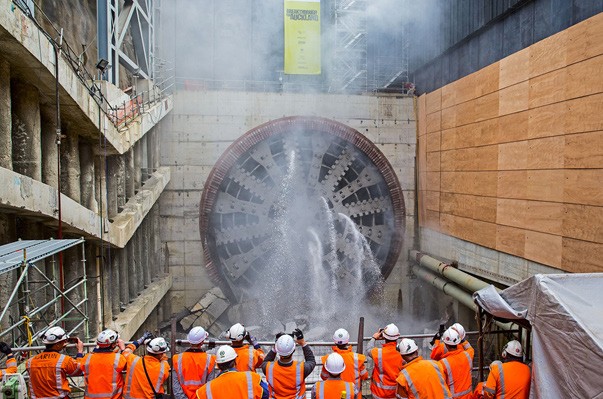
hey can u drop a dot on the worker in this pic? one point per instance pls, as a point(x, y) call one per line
point(11, 363)
point(387, 362)
point(103, 367)
point(194, 367)
point(146, 374)
point(231, 383)
point(48, 371)
point(355, 369)
point(333, 387)
point(249, 357)
point(286, 377)
point(457, 364)
point(420, 379)
point(439, 348)
point(509, 379)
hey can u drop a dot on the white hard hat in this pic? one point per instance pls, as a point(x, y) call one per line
point(451, 337)
point(335, 364)
point(513, 348)
point(285, 345)
point(54, 335)
point(106, 338)
point(459, 329)
point(391, 332)
point(197, 335)
point(157, 345)
point(237, 332)
point(225, 354)
point(407, 346)
point(341, 337)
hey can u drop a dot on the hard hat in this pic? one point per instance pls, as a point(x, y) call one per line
point(513, 348)
point(391, 332)
point(106, 338)
point(335, 363)
point(341, 337)
point(237, 332)
point(197, 335)
point(285, 345)
point(54, 335)
point(407, 346)
point(451, 337)
point(225, 354)
point(157, 345)
point(459, 329)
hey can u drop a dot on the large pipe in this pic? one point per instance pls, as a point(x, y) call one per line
point(450, 289)
point(463, 279)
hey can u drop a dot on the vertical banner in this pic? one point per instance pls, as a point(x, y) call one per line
point(302, 37)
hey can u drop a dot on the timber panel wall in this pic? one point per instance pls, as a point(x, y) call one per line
point(511, 157)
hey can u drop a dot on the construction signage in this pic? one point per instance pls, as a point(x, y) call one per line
point(302, 37)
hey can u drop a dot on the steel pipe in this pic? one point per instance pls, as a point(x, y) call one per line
point(450, 289)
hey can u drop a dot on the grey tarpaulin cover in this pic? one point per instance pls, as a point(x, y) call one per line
point(566, 314)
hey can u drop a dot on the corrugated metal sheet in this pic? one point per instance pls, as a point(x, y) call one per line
point(13, 254)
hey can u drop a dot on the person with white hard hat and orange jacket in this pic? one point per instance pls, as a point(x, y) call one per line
point(193, 367)
point(48, 371)
point(286, 377)
point(232, 383)
point(509, 379)
point(355, 370)
point(249, 357)
point(439, 348)
point(457, 364)
point(334, 387)
point(146, 374)
point(103, 367)
point(11, 362)
point(387, 362)
point(420, 379)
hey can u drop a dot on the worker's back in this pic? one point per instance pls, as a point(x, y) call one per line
point(423, 379)
point(136, 383)
point(48, 373)
point(509, 380)
point(248, 358)
point(232, 384)
point(192, 369)
point(103, 374)
point(457, 365)
point(355, 369)
point(387, 365)
point(286, 382)
point(333, 388)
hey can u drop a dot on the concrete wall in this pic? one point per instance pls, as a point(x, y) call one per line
point(511, 161)
point(205, 123)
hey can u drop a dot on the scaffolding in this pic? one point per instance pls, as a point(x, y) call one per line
point(40, 296)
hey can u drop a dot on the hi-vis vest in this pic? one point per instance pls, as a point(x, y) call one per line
point(334, 388)
point(423, 379)
point(248, 358)
point(232, 385)
point(103, 374)
point(48, 373)
point(388, 364)
point(355, 370)
point(192, 370)
point(458, 365)
point(136, 383)
point(509, 380)
point(286, 382)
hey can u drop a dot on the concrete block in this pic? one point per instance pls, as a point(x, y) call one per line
point(512, 267)
point(187, 322)
point(175, 253)
point(191, 201)
point(171, 204)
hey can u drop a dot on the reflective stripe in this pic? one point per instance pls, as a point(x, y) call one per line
point(208, 390)
point(501, 376)
point(469, 359)
point(128, 393)
point(270, 376)
point(411, 384)
point(249, 385)
point(466, 345)
point(380, 365)
point(59, 377)
point(251, 350)
point(348, 391)
point(489, 390)
point(299, 378)
point(322, 390)
point(114, 389)
point(160, 377)
point(450, 379)
point(356, 373)
point(180, 373)
point(441, 378)
point(459, 394)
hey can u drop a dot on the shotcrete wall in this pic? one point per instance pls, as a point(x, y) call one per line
point(205, 123)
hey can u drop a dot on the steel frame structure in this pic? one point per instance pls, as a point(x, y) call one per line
point(115, 22)
point(39, 289)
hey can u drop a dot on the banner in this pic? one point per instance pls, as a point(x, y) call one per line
point(302, 37)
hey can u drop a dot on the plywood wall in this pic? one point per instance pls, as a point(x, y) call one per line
point(511, 157)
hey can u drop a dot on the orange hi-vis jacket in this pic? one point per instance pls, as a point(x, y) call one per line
point(333, 388)
point(103, 374)
point(355, 369)
point(48, 373)
point(388, 364)
point(11, 366)
point(509, 380)
point(233, 385)
point(136, 383)
point(458, 364)
point(248, 358)
point(439, 349)
point(286, 382)
point(423, 379)
point(192, 369)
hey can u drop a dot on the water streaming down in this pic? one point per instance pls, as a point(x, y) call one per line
point(321, 268)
